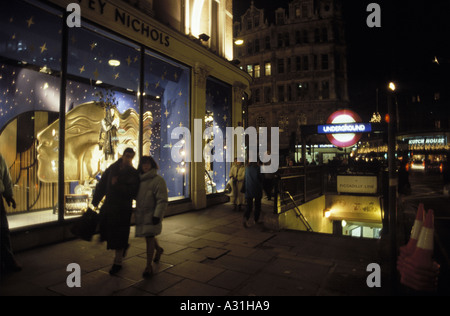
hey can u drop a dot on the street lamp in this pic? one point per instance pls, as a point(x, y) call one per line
point(392, 184)
point(392, 86)
point(239, 42)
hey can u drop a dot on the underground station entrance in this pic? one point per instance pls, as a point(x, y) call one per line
point(334, 198)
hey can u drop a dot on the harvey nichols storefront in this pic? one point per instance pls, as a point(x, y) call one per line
point(120, 80)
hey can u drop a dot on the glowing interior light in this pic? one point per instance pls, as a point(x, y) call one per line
point(114, 62)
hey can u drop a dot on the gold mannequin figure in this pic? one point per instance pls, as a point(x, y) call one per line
point(83, 157)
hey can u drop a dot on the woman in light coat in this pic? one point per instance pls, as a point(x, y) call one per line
point(237, 176)
point(151, 204)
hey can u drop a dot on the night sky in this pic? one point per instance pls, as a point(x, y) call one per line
point(402, 49)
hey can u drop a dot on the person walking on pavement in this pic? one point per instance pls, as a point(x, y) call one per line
point(8, 261)
point(151, 204)
point(253, 192)
point(237, 175)
point(120, 184)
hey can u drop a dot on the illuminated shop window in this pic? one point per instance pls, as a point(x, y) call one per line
point(167, 100)
point(102, 111)
point(30, 54)
point(218, 118)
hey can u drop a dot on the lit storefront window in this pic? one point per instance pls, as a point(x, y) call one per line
point(103, 113)
point(167, 101)
point(30, 54)
point(218, 118)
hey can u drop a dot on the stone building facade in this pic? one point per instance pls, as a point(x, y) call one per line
point(298, 63)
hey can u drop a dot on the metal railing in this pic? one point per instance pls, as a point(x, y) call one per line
point(302, 184)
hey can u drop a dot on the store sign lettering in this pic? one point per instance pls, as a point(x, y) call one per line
point(427, 141)
point(345, 128)
point(118, 16)
point(140, 27)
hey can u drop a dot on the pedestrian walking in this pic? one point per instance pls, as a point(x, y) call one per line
point(237, 176)
point(120, 184)
point(253, 192)
point(8, 261)
point(151, 205)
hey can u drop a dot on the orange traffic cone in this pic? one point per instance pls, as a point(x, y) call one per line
point(419, 270)
point(410, 247)
point(423, 254)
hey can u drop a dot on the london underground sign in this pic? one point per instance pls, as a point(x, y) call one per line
point(344, 128)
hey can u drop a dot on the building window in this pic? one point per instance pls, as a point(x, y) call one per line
point(287, 41)
point(305, 63)
point(256, 20)
point(267, 95)
point(280, 66)
point(324, 35)
point(250, 70)
point(316, 35)
point(298, 37)
point(268, 68)
point(257, 95)
point(305, 37)
point(260, 122)
point(280, 40)
point(280, 17)
point(315, 90)
point(304, 11)
point(250, 48)
point(302, 90)
point(324, 62)
point(298, 63)
point(325, 90)
point(283, 123)
point(267, 42)
point(281, 93)
point(249, 24)
point(257, 71)
point(257, 46)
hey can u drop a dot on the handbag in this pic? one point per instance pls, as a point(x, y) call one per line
point(86, 226)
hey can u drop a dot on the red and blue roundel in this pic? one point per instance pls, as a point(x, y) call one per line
point(343, 128)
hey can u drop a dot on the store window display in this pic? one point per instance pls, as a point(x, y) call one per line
point(217, 117)
point(102, 110)
point(167, 89)
point(30, 54)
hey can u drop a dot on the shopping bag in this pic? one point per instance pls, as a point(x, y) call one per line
point(86, 226)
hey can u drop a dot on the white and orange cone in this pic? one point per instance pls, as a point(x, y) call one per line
point(419, 271)
point(410, 247)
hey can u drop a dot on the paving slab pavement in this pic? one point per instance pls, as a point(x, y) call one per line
point(207, 253)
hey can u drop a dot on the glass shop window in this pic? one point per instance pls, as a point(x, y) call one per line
point(166, 107)
point(30, 54)
point(217, 119)
point(102, 112)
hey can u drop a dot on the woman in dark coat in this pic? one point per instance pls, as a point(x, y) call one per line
point(120, 184)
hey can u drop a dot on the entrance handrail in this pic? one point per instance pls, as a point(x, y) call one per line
point(298, 213)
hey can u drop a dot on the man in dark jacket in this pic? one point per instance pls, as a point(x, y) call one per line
point(120, 184)
point(253, 192)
